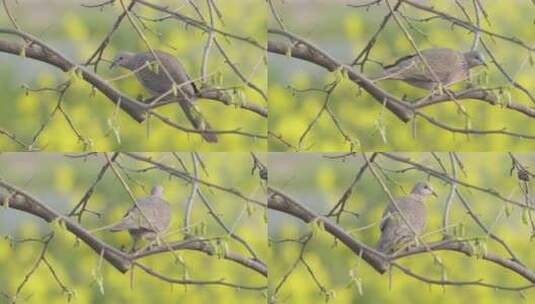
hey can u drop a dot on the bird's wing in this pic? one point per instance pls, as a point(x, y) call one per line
point(401, 61)
point(163, 214)
point(127, 222)
point(387, 216)
point(177, 72)
point(161, 84)
point(133, 218)
point(445, 63)
point(391, 213)
point(156, 214)
point(409, 68)
point(388, 224)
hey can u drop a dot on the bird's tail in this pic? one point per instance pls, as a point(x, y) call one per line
point(198, 121)
point(384, 247)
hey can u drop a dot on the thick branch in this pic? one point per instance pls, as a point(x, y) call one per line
point(304, 50)
point(26, 203)
point(218, 95)
point(41, 51)
point(45, 53)
point(120, 260)
point(281, 202)
point(203, 246)
point(320, 58)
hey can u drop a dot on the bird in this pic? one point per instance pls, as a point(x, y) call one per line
point(449, 66)
point(149, 218)
point(396, 233)
point(156, 80)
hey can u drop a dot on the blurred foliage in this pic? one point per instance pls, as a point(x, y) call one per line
point(318, 183)
point(78, 31)
point(343, 32)
point(61, 182)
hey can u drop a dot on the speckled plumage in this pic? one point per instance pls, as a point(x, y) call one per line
point(449, 67)
point(155, 80)
point(158, 83)
point(154, 217)
point(395, 233)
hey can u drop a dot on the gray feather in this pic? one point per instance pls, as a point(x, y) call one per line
point(157, 81)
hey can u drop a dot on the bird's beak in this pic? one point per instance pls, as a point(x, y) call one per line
point(484, 64)
point(434, 193)
point(113, 65)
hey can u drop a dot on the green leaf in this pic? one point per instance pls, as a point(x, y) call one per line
point(329, 295)
point(115, 128)
point(250, 209)
point(217, 79)
point(339, 74)
point(289, 52)
point(240, 95)
point(508, 209)
point(472, 248)
point(525, 216)
point(78, 73)
point(154, 67)
point(359, 287)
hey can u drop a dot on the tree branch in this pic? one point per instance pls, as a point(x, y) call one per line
point(22, 201)
point(305, 52)
point(279, 201)
point(39, 50)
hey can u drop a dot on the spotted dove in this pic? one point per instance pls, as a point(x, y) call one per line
point(396, 233)
point(149, 217)
point(449, 67)
point(158, 82)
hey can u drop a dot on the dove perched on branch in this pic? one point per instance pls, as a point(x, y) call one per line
point(147, 219)
point(396, 233)
point(449, 66)
point(173, 81)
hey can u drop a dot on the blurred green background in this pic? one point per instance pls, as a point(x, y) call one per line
point(61, 182)
point(77, 31)
point(343, 32)
point(318, 183)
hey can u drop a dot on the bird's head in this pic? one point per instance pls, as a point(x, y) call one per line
point(122, 59)
point(157, 190)
point(474, 58)
point(423, 189)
